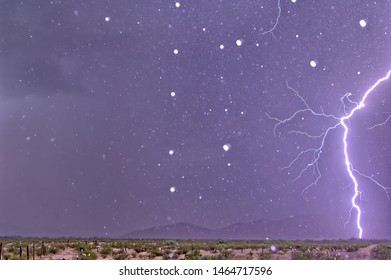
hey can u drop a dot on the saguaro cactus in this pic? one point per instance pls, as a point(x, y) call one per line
point(28, 252)
point(33, 251)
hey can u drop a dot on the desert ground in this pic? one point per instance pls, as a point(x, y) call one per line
point(91, 249)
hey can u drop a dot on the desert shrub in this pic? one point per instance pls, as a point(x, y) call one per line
point(265, 256)
point(303, 247)
point(85, 251)
point(224, 255)
point(352, 248)
point(154, 252)
point(212, 247)
point(120, 255)
point(298, 255)
point(170, 243)
point(105, 251)
point(245, 245)
point(382, 252)
point(183, 249)
point(38, 251)
point(309, 256)
point(13, 249)
point(88, 256)
point(194, 255)
point(121, 244)
point(53, 250)
point(201, 246)
point(139, 248)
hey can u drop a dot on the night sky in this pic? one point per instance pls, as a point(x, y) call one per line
point(126, 114)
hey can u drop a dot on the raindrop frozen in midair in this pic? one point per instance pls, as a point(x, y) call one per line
point(226, 147)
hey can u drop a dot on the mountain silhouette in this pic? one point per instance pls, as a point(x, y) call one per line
point(292, 228)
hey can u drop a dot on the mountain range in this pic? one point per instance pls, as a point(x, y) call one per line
point(293, 228)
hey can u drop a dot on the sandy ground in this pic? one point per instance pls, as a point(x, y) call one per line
point(67, 254)
point(361, 254)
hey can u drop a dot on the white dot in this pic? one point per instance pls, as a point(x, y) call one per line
point(171, 152)
point(358, 72)
point(363, 23)
point(221, 47)
point(176, 51)
point(204, 29)
point(172, 189)
point(107, 18)
point(313, 63)
point(173, 94)
point(229, 164)
point(294, 1)
point(226, 147)
point(239, 42)
point(28, 138)
point(177, 4)
point(297, 35)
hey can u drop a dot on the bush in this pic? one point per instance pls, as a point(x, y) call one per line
point(88, 256)
point(120, 255)
point(194, 255)
point(224, 255)
point(105, 251)
point(170, 243)
point(302, 255)
point(309, 256)
point(352, 248)
point(183, 249)
point(382, 253)
point(265, 256)
point(53, 250)
point(139, 248)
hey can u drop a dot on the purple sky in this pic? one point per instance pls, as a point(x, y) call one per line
point(114, 114)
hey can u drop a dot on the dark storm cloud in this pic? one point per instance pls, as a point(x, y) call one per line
point(50, 49)
point(35, 58)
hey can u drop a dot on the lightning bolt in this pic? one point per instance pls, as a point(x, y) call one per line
point(276, 22)
point(317, 151)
